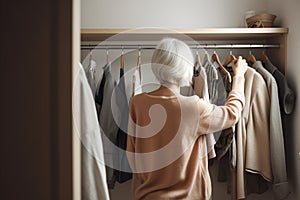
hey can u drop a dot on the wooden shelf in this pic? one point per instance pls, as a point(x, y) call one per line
point(197, 34)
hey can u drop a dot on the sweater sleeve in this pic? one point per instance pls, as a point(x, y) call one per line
point(214, 118)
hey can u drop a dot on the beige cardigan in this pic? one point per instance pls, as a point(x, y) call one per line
point(166, 145)
point(252, 133)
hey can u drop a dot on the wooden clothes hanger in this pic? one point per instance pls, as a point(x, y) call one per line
point(198, 64)
point(229, 59)
point(264, 57)
point(198, 59)
point(133, 85)
point(122, 59)
point(251, 58)
point(206, 58)
point(216, 59)
point(139, 64)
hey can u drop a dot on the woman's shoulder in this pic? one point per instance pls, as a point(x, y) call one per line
point(199, 103)
point(192, 102)
point(193, 98)
point(137, 97)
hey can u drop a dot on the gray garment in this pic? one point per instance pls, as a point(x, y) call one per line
point(219, 88)
point(90, 75)
point(278, 165)
point(286, 95)
point(201, 90)
point(107, 123)
point(86, 126)
point(217, 93)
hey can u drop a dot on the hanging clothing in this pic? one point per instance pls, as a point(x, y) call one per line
point(212, 84)
point(122, 171)
point(201, 90)
point(91, 76)
point(136, 83)
point(225, 146)
point(219, 90)
point(107, 122)
point(86, 126)
point(252, 135)
point(280, 183)
point(286, 95)
point(200, 84)
point(181, 170)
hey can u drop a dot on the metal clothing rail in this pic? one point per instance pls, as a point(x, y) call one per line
point(192, 46)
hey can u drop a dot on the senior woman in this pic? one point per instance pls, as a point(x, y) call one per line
point(166, 145)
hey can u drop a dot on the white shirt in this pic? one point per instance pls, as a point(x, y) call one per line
point(86, 127)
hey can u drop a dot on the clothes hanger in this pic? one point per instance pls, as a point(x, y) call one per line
point(198, 59)
point(206, 58)
point(133, 85)
point(91, 55)
point(198, 64)
point(229, 59)
point(264, 57)
point(139, 64)
point(107, 56)
point(216, 59)
point(251, 58)
point(122, 59)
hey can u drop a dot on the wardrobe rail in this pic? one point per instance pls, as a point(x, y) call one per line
point(203, 46)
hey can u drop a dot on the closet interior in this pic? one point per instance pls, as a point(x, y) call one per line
point(127, 48)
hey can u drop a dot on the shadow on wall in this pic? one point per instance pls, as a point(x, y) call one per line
point(291, 142)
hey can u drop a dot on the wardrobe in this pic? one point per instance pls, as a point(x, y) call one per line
point(104, 43)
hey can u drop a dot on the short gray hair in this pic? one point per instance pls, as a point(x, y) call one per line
point(172, 62)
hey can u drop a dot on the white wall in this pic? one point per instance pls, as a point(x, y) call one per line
point(288, 16)
point(166, 13)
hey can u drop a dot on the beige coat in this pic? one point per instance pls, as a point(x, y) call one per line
point(252, 133)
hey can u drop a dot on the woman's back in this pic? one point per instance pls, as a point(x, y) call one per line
point(172, 163)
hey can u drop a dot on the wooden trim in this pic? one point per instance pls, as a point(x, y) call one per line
point(76, 143)
point(197, 33)
point(191, 31)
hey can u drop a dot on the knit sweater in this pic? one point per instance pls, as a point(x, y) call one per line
point(166, 144)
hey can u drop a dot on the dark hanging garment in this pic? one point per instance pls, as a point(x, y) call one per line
point(107, 122)
point(220, 92)
point(123, 171)
point(286, 95)
point(224, 146)
point(99, 95)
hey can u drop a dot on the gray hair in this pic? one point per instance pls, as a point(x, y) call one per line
point(172, 62)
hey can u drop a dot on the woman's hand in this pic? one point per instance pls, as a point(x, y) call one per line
point(239, 66)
